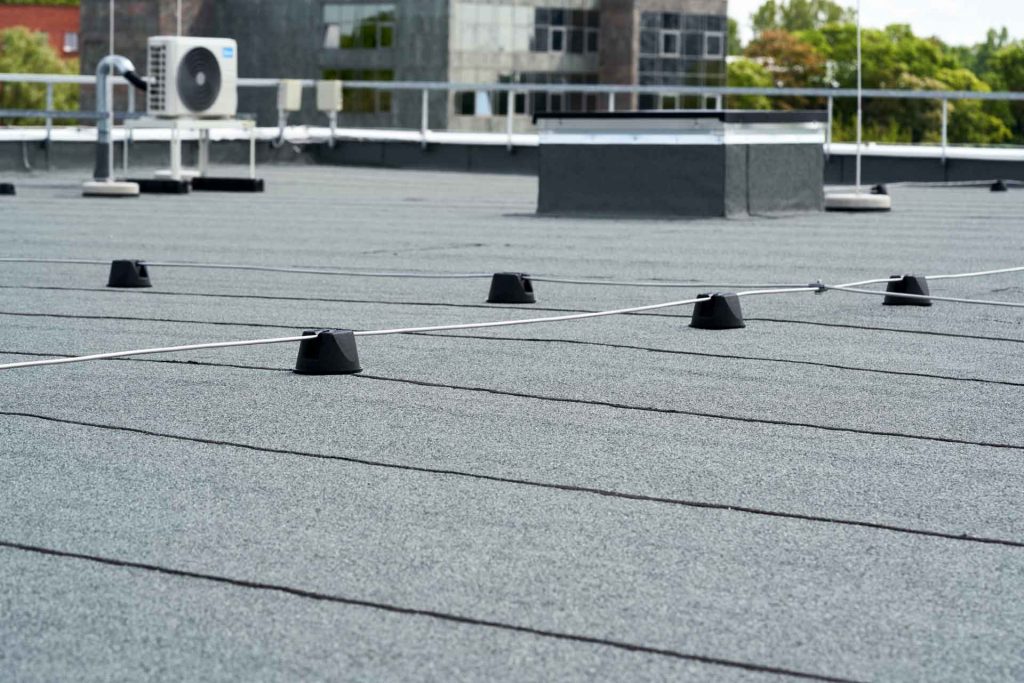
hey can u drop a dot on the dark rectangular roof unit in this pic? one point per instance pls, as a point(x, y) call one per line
point(681, 163)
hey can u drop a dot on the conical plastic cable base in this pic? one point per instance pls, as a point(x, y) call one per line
point(511, 288)
point(720, 312)
point(128, 274)
point(908, 284)
point(332, 352)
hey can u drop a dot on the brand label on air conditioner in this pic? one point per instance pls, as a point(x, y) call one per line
point(228, 53)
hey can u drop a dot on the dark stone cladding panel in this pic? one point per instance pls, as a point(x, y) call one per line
point(645, 180)
point(784, 178)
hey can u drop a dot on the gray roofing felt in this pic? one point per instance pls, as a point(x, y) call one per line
point(833, 491)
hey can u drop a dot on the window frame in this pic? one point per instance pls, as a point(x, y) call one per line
point(720, 36)
point(665, 34)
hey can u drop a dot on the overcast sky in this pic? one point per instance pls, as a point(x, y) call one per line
point(959, 22)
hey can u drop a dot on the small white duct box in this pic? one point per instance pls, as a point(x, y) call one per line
point(289, 95)
point(329, 97)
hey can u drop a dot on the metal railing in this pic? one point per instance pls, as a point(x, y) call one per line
point(512, 90)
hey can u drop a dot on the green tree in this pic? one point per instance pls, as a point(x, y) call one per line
point(973, 120)
point(734, 44)
point(1006, 72)
point(745, 73)
point(977, 57)
point(22, 51)
point(798, 15)
point(792, 62)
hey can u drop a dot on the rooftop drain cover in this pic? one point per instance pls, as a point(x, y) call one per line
point(857, 201)
point(907, 284)
point(332, 352)
point(511, 288)
point(720, 312)
point(7, 189)
point(128, 274)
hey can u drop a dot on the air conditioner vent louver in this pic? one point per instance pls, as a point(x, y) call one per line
point(157, 91)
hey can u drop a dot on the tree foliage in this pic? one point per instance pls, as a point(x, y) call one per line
point(798, 15)
point(745, 73)
point(813, 43)
point(22, 51)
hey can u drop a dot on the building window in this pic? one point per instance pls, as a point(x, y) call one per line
point(714, 45)
point(492, 27)
point(360, 100)
point(670, 43)
point(562, 30)
point(680, 50)
point(364, 26)
point(70, 42)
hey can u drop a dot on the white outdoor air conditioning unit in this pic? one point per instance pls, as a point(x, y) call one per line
point(192, 77)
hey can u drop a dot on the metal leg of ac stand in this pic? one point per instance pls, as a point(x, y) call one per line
point(204, 152)
point(252, 153)
point(175, 153)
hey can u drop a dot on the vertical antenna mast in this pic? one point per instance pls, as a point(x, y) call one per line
point(110, 98)
point(860, 98)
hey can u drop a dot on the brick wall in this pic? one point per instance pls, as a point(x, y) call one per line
point(53, 21)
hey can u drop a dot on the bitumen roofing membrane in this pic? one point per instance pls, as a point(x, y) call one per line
point(831, 493)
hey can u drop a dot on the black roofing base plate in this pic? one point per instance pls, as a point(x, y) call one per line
point(128, 274)
point(162, 185)
point(908, 284)
point(720, 312)
point(333, 352)
point(204, 184)
point(511, 288)
point(7, 189)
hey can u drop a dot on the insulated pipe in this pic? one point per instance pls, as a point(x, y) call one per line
point(111, 65)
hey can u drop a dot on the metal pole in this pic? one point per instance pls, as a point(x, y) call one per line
point(127, 135)
point(510, 106)
point(109, 94)
point(945, 128)
point(828, 131)
point(49, 108)
point(179, 18)
point(611, 102)
point(860, 97)
point(424, 117)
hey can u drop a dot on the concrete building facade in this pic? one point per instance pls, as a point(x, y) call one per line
point(648, 42)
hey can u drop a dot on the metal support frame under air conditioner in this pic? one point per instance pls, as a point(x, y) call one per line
point(203, 127)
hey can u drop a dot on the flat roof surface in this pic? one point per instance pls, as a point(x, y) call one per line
point(832, 492)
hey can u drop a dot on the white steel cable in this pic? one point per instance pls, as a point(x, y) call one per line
point(655, 283)
point(369, 333)
point(147, 352)
point(313, 271)
point(1019, 269)
point(787, 290)
point(979, 302)
point(269, 269)
point(529, 321)
point(88, 262)
point(817, 287)
point(863, 283)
